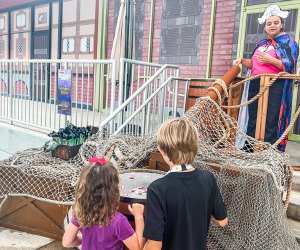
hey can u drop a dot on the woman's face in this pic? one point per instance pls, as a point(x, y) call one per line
point(273, 26)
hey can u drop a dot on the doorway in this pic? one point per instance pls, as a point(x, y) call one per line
point(251, 32)
point(40, 70)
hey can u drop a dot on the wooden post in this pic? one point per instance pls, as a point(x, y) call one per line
point(259, 112)
point(229, 76)
point(235, 96)
point(264, 110)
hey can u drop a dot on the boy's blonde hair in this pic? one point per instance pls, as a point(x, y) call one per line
point(178, 138)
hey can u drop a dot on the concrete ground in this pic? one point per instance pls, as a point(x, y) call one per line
point(293, 149)
point(15, 139)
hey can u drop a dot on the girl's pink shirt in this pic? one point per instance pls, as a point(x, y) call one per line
point(262, 68)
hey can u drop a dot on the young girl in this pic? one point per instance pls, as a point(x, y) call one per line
point(95, 212)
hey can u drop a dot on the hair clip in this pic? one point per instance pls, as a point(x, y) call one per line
point(95, 159)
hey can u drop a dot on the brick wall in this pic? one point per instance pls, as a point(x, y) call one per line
point(12, 3)
point(110, 27)
point(223, 37)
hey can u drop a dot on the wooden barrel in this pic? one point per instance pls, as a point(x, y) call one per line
point(197, 88)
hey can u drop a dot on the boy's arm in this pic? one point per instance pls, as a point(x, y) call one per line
point(221, 223)
point(71, 237)
point(155, 219)
point(219, 213)
point(153, 245)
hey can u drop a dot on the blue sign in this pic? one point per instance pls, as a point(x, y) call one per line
point(64, 91)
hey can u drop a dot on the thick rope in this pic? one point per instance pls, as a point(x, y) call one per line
point(257, 76)
point(288, 128)
point(260, 93)
point(289, 188)
point(222, 84)
point(217, 93)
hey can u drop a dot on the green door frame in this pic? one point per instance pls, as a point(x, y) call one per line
point(288, 5)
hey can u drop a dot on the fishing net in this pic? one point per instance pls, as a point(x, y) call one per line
point(255, 179)
point(35, 173)
point(255, 183)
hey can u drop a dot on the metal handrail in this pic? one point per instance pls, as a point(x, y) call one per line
point(144, 104)
point(134, 95)
point(105, 61)
point(149, 64)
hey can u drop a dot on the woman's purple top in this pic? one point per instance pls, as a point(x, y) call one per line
point(106, 238)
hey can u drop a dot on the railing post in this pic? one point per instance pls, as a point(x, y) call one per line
point(121, 93)
point(175, 99)
point(144, 115)
point(10, 84)
point(66, 67)
point(161, 102)
point(113, 86)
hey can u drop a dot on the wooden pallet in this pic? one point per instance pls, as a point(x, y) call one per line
point(33, 216)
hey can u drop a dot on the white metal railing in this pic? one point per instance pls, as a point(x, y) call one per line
point(145, 110)
point(28, 92)
point(134, 74)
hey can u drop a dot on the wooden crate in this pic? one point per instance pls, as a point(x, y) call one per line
point(28, 214)
point(33, 216)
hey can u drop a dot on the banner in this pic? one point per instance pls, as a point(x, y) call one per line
point(64, 91)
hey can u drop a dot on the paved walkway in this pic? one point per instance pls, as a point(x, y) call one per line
point(15, 139)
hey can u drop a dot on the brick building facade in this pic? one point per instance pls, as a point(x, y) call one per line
point(181, 30)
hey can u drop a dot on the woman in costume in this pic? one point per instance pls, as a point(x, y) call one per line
point(278, 52)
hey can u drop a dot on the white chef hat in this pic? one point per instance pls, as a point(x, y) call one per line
point(272, 10)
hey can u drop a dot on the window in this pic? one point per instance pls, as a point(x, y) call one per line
point(180, 33)
point(87, 44)
point(42, 18)
point(21, 20)
point(20, 47)
point(68, 45)
point(2, 23)
point(255, 31)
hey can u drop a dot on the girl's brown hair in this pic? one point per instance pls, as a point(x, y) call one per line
point(97, 195)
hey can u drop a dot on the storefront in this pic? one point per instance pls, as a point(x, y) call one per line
point(47, 29)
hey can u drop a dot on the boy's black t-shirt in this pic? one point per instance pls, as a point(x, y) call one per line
point(179, 209)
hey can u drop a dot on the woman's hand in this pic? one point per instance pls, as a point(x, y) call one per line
point(245, 62)
point(237, 61)
point(266, 58)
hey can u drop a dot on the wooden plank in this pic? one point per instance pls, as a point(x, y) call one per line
point(264, 110)
point(12, 209)
point(259, 112)
point(55, 226)
point(234, 98)
point(197, 89)
point(33, 216)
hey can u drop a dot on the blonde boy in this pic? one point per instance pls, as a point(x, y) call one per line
point(181, 204)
